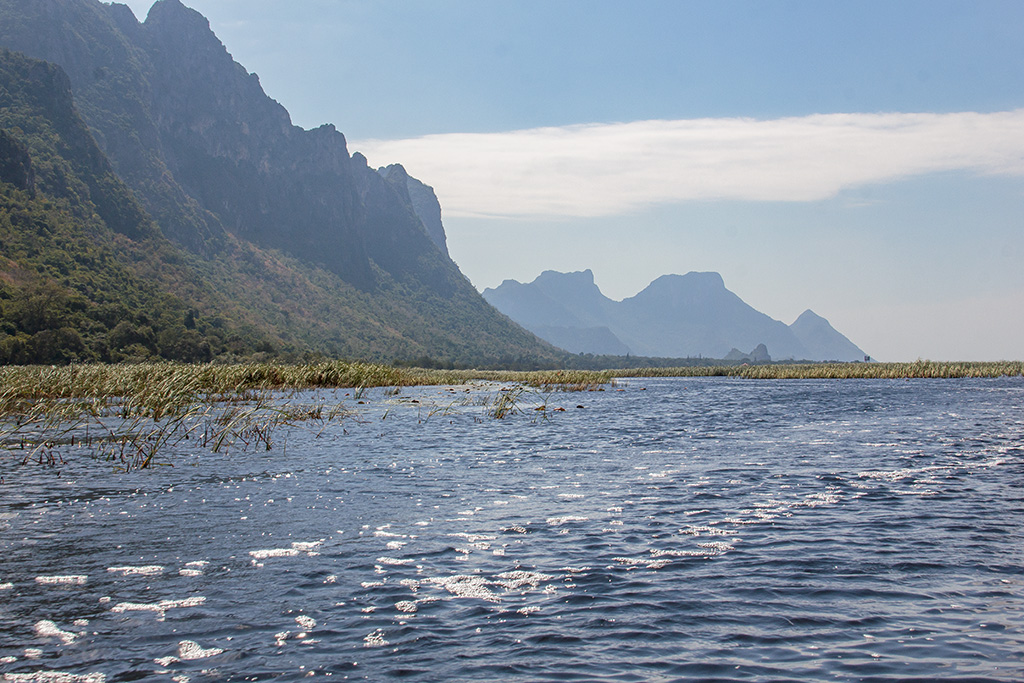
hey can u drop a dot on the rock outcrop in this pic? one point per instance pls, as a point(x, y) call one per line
point(423, 201)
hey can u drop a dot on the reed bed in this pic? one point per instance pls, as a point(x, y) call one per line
point(132, 433)
point(130, 414)
point(172, 384)
point(547, 380)
point(920, 369)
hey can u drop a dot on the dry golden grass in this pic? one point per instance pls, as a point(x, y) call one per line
point(132, 413)
point(917, 369)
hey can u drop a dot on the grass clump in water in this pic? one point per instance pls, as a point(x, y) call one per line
point(507, 402)
point(133, 413)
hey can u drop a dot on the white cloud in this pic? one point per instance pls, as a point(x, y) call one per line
point(604, 169)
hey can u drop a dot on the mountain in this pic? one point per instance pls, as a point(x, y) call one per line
point(676, 316)
point(822, 340)
point(566, 309)
point(291, 235)
point(423, 201)
point(758, 355)
point(84, 273)
point(695, 315)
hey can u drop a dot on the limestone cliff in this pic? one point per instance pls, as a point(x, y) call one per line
point(225, 174)
point(423, 201)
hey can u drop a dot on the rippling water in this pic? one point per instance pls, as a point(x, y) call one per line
point(697, 529)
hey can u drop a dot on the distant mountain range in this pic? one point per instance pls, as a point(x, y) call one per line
point(676, 316)
point(156, 203)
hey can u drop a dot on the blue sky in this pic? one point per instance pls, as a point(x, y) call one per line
point(863, 159)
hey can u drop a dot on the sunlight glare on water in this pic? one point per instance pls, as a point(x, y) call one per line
point(699, 529)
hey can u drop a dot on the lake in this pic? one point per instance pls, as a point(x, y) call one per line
point(660, 530)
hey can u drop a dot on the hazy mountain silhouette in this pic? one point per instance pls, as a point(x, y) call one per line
point(822, 340)
point(675, 316)
point(566, 309)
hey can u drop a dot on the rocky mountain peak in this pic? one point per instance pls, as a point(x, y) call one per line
point(823, 340)
point(398, 177)
point(809, 317)
point(695, 291)
point(184, 18)
point(694, 280)
point(423, 201)
point(197, 80)
point(578, 282)
point(123, 17)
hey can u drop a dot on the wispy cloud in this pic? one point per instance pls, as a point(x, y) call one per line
point(604, 169)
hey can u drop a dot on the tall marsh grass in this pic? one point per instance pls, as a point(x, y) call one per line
point(918, 369)
point(132, 413)
point(164, 384)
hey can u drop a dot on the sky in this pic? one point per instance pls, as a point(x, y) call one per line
point(861, 159)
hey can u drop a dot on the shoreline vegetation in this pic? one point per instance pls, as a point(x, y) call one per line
point(920, 369)
point(133, 414)
point(173, 381)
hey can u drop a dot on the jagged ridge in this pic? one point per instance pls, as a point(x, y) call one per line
point(680, 316)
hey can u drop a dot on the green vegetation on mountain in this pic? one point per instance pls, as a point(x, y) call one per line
point(184, 217)
point(84, 274)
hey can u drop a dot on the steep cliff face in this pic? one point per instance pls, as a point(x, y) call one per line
point(78, 166)
point(423, 201)
point(236, 152)
point(319, 247)
point(101, 48)
point(395, 238)
point(195, 135)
